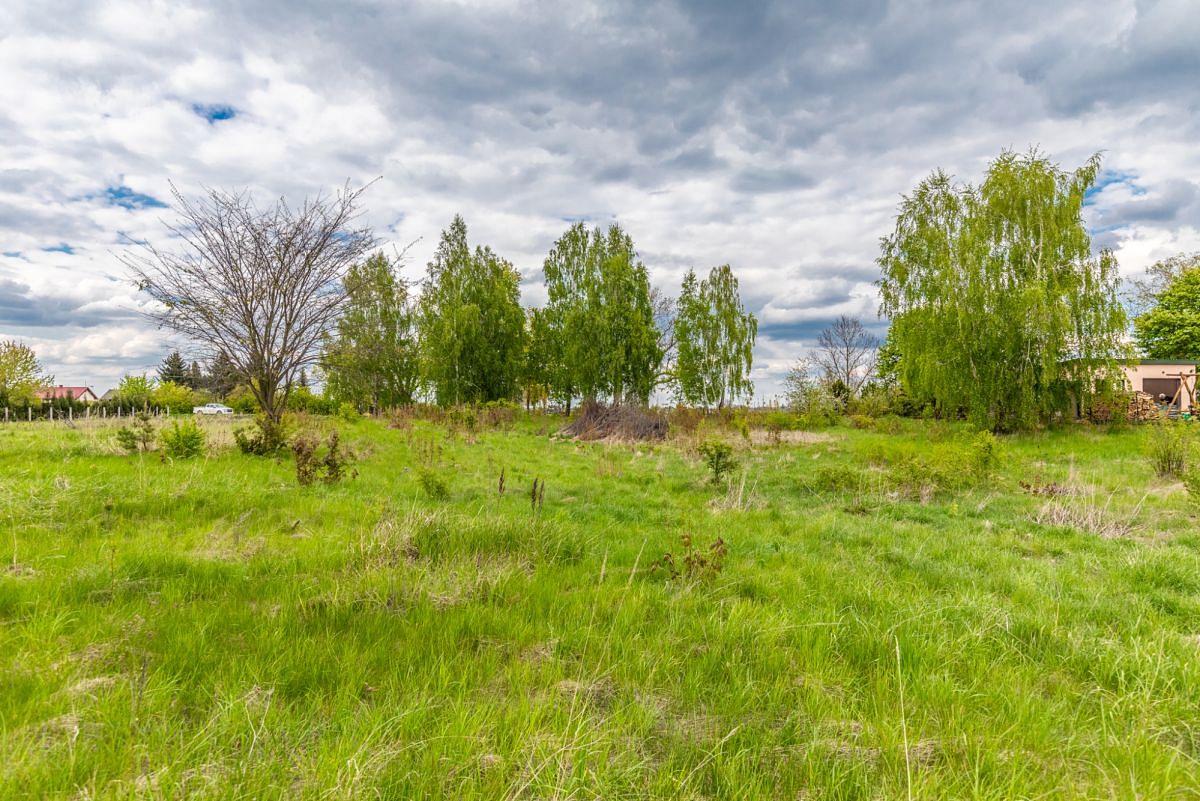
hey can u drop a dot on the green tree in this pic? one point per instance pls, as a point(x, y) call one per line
point(999, 307)
point(601, 317)
point(173, 396)
point(21, 374)
point(136, 391)
point(541, 359)
point(1171, 328)
point(371, 359)
point(173, 369)
point(223, 376)
point(714, 336)
point(471, 324)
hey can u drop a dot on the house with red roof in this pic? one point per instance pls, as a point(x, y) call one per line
point(82, 394)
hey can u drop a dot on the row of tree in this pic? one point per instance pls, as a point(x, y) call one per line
point(271, 293)
point(603, 335)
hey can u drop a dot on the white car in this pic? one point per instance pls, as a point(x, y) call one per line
point(212, 408)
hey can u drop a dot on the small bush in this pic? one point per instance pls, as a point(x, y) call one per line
point(138, 436)
point(838, 478)
point(348, 413)
point(984, 450)
point(183, 440)
point(313, 465)
point(776, 423)
point(1168, 448)
point(718, 456)
point(434, 485)
point(1191, 480)
point(266, 438)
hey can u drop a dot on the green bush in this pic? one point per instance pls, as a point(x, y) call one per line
point(838, 478)
point(1167, 448)
point(266, 438)
point(718, 455)
point(1191, 480)
point(138, 436)
point(183, 440)
point(348, 413)
point(433, 484)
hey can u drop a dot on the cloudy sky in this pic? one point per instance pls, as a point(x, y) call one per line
point(775, 136)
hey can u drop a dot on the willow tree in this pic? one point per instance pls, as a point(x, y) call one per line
point(999, 307)
point(471, 324)
point(714, 339)
point(601, 316)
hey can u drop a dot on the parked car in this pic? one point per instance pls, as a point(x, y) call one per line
point(212, 408)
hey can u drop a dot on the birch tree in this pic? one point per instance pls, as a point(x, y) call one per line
point(714, 340)
point(999, 307)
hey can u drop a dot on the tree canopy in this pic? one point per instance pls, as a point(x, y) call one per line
point(371, 360)
point(21, 373)
point(714, 339)
point(1170, 329)
point(601, 317)
point(999, 307)
point(472, 326)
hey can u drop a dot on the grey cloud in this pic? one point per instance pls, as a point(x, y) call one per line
point(20, 307)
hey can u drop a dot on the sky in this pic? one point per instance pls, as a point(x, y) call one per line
point(777, 137)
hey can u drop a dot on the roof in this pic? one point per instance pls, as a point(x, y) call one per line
point(54, 393)
point(1180, 362)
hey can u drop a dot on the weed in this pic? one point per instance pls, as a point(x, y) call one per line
point(1191, 482)
point(433, 484)
point(183, 440)
point(537, 494)
point(718, 456)
point(312, 465)
point(693, 563)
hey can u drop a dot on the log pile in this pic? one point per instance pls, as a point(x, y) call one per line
point(1143, 408)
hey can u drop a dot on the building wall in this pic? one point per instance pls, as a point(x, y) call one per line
point(1137, 373)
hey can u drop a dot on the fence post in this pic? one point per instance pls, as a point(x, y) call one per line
point(29, 412)
point(71, 413)
point(51, 413)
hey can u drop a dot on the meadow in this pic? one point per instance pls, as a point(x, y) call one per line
point(905, 610)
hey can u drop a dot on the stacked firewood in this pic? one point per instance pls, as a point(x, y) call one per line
point(1143, 407)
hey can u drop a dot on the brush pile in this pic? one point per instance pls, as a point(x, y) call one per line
point(622, 422)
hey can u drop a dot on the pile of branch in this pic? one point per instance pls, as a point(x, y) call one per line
point(620, 422)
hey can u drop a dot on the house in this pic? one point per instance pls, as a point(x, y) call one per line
point(1168, 381)
point(81, 394)
point(110, 395)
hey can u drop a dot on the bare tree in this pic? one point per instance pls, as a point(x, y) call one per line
point(846, 352)
point(260, 286)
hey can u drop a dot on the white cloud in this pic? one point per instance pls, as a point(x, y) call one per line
point(776, 137)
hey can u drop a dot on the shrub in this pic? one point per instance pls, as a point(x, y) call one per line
point(1168, 448)
point(718, 456)
point(242, 400)
point(777, 422)
point(434, 485)
point(266, 438)
point(984, 451)
point(1191, 481)
point(312, 465)
point(838, 478)
point(183, 440)
point(348, 413)
point(138, 436)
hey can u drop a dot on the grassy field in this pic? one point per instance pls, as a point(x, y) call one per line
point(891, 620)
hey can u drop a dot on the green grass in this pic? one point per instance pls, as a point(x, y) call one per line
point(887, 622)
